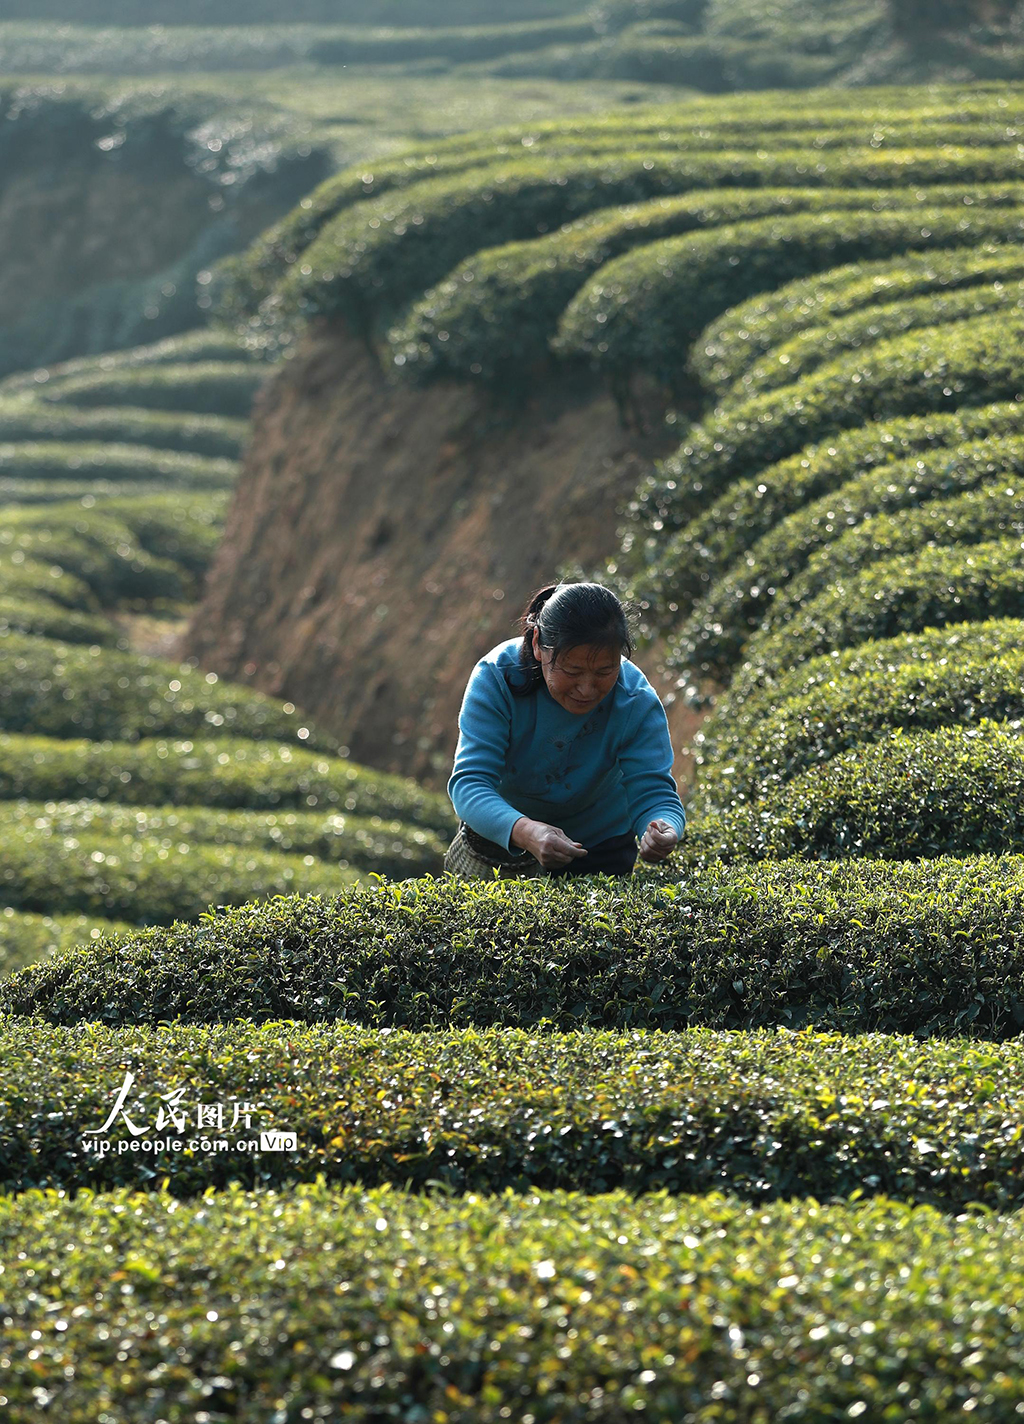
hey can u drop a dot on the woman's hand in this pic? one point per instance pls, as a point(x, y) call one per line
point(659, 841)
point(548, 844)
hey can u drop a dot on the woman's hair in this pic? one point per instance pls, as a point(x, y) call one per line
point(566, 616)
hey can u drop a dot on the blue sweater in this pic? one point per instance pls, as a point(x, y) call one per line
point(595, 775)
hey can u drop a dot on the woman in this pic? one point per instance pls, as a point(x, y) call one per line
point(564, 756)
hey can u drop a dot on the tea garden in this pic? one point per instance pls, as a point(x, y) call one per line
point(740, 1139)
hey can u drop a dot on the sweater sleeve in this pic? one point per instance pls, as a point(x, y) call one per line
point(646, 764)
point(485, 733)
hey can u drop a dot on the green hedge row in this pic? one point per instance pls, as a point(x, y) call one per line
point(805, 353)
point(209, 343)
point(146, 879)
point(761, 1115)
point(903, 594)
point(745, 334)
point(367, 843)
point(850, 710)
point(952, 791)
point(643, 310)
point(90, 462)
point(926, 371)
point(34, 613)
point(547, 1307)
point(374, 258)
point(738, 722)
point(203, 387)
point(27, 938)
point(224, 772)
point(684, 566)
point(86, 492)
point(974, 516)
point(55, 690)
point(897, 140)
point(923, 947)
point(116, 550)
point(215, 436)
point(102, 566)
point(522, 288)
point(892, 509)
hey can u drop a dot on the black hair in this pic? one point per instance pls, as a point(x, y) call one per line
point(566, 616)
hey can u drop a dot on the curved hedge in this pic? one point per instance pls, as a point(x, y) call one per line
point(51, 460)
point(862, 945)
point(521, 289)
point(27, 938)
point(850, 710)
point(977, 361)
point(745, 334)
point(892, 509)
point(223, 772)
point(737, 721)
point(248, 280)
point(219, 388)
point(805, 353)
point(904, 594)
point(951, 791)
point(993, 510)
point(34, 613)
point(390, 1297)
point(55, 690)
point(366, 843)
point(215, 436)
point(762, 1115)
point(373, 258)
point(148, 879)
point(642, 311)
point(205, 344)
point(684, 565)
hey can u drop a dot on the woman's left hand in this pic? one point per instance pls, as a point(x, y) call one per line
point(659, 841)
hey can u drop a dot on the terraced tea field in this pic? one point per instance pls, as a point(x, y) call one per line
point(136, 789)
point(738, 1139)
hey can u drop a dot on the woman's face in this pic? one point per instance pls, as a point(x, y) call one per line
point(581, 676)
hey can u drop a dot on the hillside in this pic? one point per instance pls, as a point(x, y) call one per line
point(713, 46)
point(509, 291)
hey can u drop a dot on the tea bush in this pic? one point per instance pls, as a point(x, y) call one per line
point(522, 288)
point(923, 947)
point(950, 791)
point(903, 594)
point(26, 938)
point(688, 561)
point(228, 772)
point(762, 1115)
point(642, 311)
point(147, 879)
point(976, 361)
point(730, 346)
point(813, 348)
point(210, 388)
point(851, 710)
point(56, 690)
point(92, 464)
point(375, 257)
point(935, 1290)
point(215, 436)
point(738, 721)
point(365, 843)
point(897, 507)
point(33, 612)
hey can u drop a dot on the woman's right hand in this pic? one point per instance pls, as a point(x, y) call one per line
point(547, 844)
